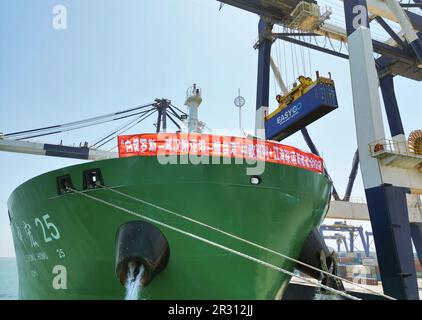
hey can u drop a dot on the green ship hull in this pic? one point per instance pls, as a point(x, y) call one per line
point(66, 243)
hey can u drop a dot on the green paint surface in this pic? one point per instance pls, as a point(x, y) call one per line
point(278, 214)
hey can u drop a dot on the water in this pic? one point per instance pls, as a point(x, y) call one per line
point(8, 279)
point(133, 283)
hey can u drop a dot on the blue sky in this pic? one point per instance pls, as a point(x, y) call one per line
point(119, 54)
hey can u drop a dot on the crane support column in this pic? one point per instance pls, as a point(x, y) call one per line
point(391, 230)
point(364, 242)
point(345, 244)
point(397, 133)
point(392, 108)
point(386, 203)
point(264, 65)
point(352, 176)
point(368, 234)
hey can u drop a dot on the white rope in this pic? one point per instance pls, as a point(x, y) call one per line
point(212, 243)
point(293, 63)
point(302, 53)
point(296, 60)
point(311, 71)
point(285, 62)
point(244, 240)
point(281, 58)
point(274, 84)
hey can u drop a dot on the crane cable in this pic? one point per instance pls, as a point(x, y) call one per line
point(145, 116)
point(297, 62)
point(285, 60)
point(139, 120)
point(302, 54)
point(102, 138)
point(77, 124)
point(138, 111)
point(293, 62)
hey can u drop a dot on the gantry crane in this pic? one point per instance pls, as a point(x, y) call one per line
point(391, 172)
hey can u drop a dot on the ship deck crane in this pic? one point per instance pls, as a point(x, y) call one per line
point(19, 142)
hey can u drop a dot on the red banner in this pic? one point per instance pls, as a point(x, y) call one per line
point(165, 144)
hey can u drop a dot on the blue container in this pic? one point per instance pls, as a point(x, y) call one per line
point(314, 104)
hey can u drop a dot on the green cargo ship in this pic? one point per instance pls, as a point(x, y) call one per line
point(66, 242)
point(177, 215)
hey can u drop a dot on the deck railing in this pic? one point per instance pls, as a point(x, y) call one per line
point(390, 146)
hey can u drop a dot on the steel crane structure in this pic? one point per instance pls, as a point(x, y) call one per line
point(390, 172)
point(344, 227)
point(339, 239)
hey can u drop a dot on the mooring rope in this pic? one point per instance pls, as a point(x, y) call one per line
point(212, 243)
point(244, 240)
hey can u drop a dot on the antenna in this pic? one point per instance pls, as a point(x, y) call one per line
point(239, 102)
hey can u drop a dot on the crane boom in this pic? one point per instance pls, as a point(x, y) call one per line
point(44, 149)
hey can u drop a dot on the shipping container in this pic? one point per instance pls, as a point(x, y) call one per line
point(314, 104)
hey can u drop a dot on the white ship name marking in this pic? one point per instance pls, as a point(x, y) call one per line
point(28, 233)
point(48, 227)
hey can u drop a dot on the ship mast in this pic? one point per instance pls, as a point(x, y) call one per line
point(193, 101)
